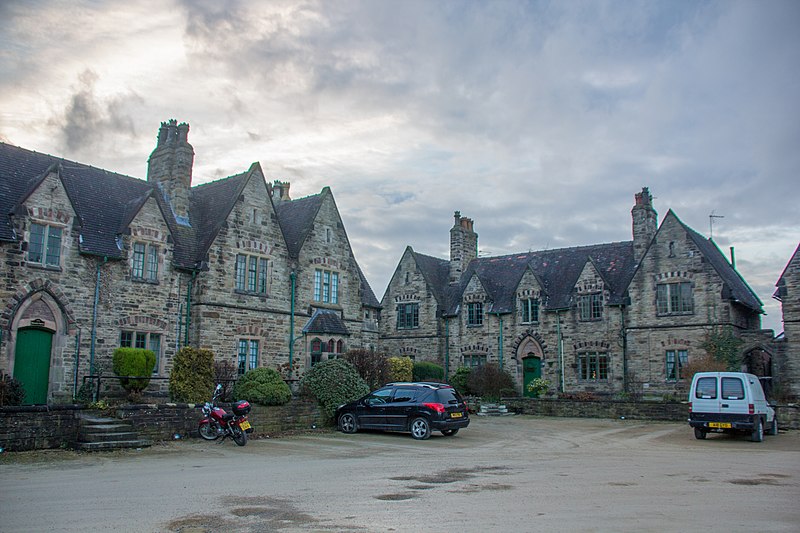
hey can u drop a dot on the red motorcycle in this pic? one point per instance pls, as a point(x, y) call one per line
point(217, 423)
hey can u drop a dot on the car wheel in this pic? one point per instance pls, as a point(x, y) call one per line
point(420, 428)
point(347, 423)
point(758, 430)
point(773, 427)
point(699, 434)
point(449, 432)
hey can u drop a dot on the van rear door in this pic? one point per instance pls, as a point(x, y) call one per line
point(733, 399)
point(706, 395)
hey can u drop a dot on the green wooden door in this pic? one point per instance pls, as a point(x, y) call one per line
point(532, 369)
point(32, 363)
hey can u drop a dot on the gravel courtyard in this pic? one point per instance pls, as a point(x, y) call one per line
point(516, 473)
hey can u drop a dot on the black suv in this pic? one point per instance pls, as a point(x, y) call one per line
point(416, 407)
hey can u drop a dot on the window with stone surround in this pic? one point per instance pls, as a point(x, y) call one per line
point(252, 274)
point(44, 245)
point(408, 316)
point(474, 360)
point(593, 366)
point(530, 310)
point(475, 314)
point(145, 262)
point(247, 358)
point(674, 299)
point(676, 361)
point(142, 339)
point(326, 286)
point(590, 307)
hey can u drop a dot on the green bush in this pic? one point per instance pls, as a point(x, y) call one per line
point(372, 366)
point(263, 386)
point(461, 380)
point(11, 391)
point(133, 362)
point(333, 383)
point(490, 382)
point(192, 376)
point(427, 371)
point(401, 369)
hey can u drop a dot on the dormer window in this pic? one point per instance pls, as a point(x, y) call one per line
point(145, 262)
point(530, 310)
point(474, 314)
point(590, 307)
point(44, 245)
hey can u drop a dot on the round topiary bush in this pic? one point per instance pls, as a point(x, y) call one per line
point(333, 383)
point(263, 386)
point(133, 362)
point(461, 380)
point(192, 376)
point(401, 369)
point(427, 371)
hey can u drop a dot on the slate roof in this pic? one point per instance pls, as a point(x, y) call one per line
point(326, 321)
point(106, 202)
point(780, 291)
point(735, 287)
point(436, 273)
point(556, 270)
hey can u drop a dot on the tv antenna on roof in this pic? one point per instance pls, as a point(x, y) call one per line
point(711, 218)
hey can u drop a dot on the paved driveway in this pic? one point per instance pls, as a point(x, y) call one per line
point(501, 474)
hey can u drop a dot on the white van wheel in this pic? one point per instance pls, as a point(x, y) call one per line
point(758, 430)
point(773, 427)
point(699, 434)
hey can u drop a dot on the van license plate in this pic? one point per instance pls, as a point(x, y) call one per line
point(721, 425)
point(456, 415)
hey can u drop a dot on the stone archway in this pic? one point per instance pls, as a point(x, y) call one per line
point(529, 356)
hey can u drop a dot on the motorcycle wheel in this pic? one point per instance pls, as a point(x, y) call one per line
point(239, 436)
point(208, 431)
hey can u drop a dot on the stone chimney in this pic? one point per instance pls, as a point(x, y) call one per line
point(463, 246)
point(280, 192)
point(170, 167)
point(645, 223)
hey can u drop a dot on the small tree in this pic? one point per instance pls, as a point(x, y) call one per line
point(192, 376)
point(373, 367)
point(427, 371)
point(723, 346)
point(401, 369)
point(333, 383)
point(11, 391)
point(461, 380)
point(490, 382)
point(263, 386)
point(133, 362)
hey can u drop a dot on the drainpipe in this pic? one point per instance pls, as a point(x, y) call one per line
point(560, 350)
point(624, 333)
point(77, 360)
point(189, 307)
point(293, 277)
point(446, 349)
point(500, 342)
point(94, 316)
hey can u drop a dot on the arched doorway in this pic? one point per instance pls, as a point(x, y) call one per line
point(32, 363)
point(531, 354)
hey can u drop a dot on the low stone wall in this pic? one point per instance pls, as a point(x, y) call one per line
point(42, 427)
point(788, 415)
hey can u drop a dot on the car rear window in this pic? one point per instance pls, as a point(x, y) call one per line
point(732, 389)
point(449, 396)
point(404, 394)
point(706, 388)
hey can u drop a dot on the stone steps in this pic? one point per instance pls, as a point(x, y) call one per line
point(101, 433)
point(493, 410)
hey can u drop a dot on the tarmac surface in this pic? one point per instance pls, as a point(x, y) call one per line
point(516, 473)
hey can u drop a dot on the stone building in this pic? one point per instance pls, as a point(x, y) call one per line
point(605, 318)
point(788, 293)
point(94, 260)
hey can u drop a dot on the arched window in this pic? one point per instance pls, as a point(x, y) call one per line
point(331, 346)
point(316, 346)
point(339, 346)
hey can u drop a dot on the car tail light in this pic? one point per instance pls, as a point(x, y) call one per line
point(438, 407)
point(690, 407)
point(751, 409)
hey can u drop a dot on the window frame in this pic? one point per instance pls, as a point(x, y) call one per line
point(675, 361)
point(474, 314)
point(594, 366)
point(144, 262)
point(590, 307)
point(251, 274)
point(676, 298)
point(246, 358)
point(474, 360)
point(407, 315)
point(326, 286)
point(43, 245)
point(131, 338)
point(530, 310)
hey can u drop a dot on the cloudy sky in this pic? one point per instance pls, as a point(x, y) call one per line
point(539, 120)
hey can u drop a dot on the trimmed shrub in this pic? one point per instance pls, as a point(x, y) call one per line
point(263, 386)
point(133, 362)
point(427, 371)
point(192, 376)
point(460, 381)
point(490, 382)
point(373, 367)
point(333, 383)
point(401, 369)
point(11, 391)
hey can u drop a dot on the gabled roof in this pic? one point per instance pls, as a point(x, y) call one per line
point(557, 271)
point(436, 273)
point(367, 296)
point(781, 283)
point(735, 287)
point(297, 219)
point(326, 321)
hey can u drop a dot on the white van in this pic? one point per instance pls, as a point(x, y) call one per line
point(730, 402)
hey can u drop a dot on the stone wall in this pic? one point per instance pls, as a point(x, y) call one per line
point(38, 427)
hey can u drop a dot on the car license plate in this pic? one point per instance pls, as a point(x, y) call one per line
point(456, 415)
point(721, 425)
point(244, 424)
